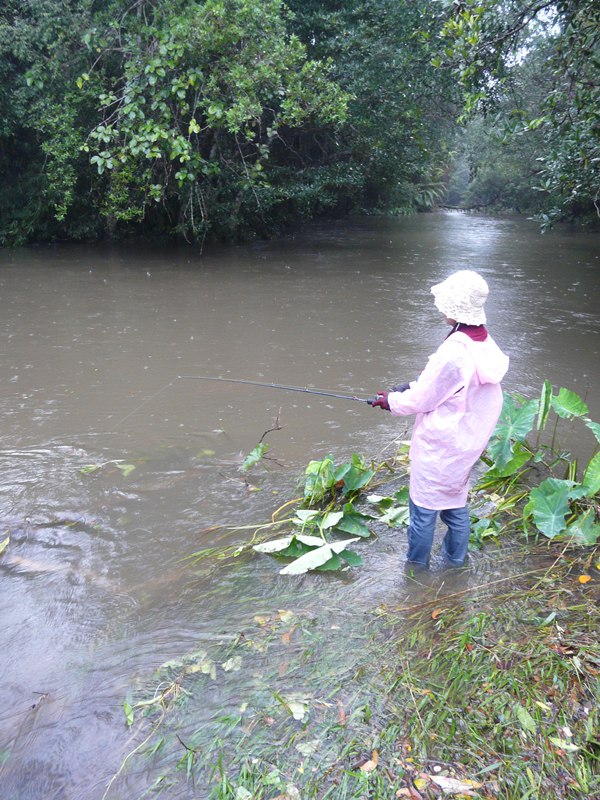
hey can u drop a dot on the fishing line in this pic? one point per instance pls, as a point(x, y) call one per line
point(281, 386)
point(145, 402)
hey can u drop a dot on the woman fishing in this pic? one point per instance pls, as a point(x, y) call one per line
point(457, 400)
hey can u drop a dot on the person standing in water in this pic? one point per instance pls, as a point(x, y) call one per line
point(457, 400)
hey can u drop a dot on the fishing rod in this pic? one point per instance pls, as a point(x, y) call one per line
point(285, 388)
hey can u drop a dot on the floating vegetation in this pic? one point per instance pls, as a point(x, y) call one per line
point(125, 469)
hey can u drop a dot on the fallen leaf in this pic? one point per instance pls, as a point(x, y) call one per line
point(233, 664)
point(584, 578)
point(207, 667)
point(563, 744)
point(128, 713)
point(370, 765)
point(286, 636)
point(261, 619)
point(409, 792)
point(308, 748)
point(4, 544)
point(436, 612)
point(298, 708)
point(455, 786)
point(285, 616)
point(283, 668)
point(291, 793)
point(527, 721)
point(341, 714)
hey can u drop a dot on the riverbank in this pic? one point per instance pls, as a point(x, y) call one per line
point(486, 692)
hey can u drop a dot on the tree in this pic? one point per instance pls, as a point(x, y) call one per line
point(43, 119)
point(163, 116)
point(395, 144)
point(508, 53)
point(195, 98)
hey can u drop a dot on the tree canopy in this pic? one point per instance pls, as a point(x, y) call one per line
point(232, 118)
point(530, 71)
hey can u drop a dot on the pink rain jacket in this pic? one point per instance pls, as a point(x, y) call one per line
point(457, 399)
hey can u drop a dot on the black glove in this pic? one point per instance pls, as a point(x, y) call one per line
point(380, 401)
point(402, 388)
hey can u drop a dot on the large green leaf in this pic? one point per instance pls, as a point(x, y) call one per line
point(351, 558)
point(594, 427)
point(549, 503)
point(396, 517)
point(591, 478)
point(355, 524)
point(308, 561)
point(568, 404)
point(306, 515)
point(341, 471)
point(295, 550)
point(356, 478)
point(276, 545)
point(380, 500)
point(254, 456)
point(402, 496)
point(514, 425)
point(331, 519)
point(334, 563)
point(544, 405)
point(585, 530)
point(319, 479)
point(520, 457)
point(316, 558)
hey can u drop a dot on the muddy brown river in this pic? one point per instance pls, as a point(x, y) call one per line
point(96, 592)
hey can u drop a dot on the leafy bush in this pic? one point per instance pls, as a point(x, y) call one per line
point(565, 504)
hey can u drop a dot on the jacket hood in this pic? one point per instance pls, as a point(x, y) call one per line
point(491, 364)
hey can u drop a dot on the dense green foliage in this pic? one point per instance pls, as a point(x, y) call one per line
point(393, 152)
point(231, 118)
point(221, 117)
point(530, 72)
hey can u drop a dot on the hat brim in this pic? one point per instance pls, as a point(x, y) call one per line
point(459, 312)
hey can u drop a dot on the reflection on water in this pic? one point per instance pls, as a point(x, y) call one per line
point(96, 589)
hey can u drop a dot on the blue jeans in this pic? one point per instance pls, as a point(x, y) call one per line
point(422, 527)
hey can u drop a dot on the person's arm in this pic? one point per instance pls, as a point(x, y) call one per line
point(442, 378)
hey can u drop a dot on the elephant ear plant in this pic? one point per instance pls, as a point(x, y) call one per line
point(564, 505)
point(329, 522)
point(530, 486)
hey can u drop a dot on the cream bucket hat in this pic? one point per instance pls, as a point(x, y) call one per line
point(461, 297)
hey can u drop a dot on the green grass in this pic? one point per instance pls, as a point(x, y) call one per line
point(498, 691)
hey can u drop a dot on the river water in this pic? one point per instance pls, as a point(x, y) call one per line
point(96, 593)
